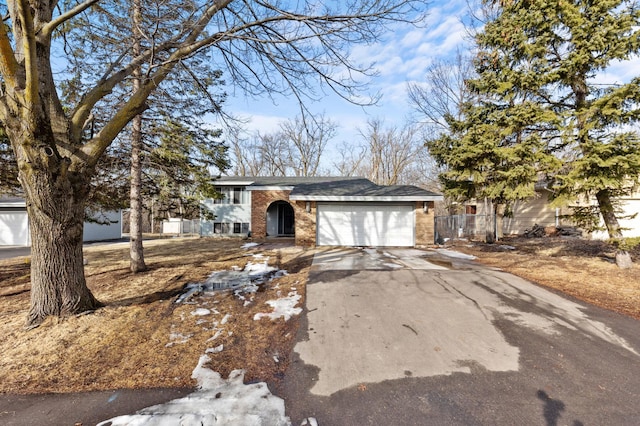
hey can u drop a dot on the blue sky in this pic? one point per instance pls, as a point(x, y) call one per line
point(402, 57)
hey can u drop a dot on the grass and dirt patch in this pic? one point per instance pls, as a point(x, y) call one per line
point(584, 269)
point(142, 338)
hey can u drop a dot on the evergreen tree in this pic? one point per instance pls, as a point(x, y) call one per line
point(545, 55)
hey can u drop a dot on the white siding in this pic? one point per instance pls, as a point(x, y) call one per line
point(97, 232)
point(14, 228)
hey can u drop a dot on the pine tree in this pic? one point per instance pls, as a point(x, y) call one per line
point(546, 54)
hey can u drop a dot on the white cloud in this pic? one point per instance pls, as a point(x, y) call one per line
point(619, 72)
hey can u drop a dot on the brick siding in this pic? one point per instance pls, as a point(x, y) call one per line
point(425, 235)
point(305, 223)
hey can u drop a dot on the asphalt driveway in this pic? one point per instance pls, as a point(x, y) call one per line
point(406, 337)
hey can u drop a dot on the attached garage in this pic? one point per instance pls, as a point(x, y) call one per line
point(14, 228)
point(365, 224)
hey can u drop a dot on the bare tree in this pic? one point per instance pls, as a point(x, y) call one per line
point(306, 139)
point(390, 151)
point(274, 153)
point(351, 159)
point(443, 92)
point(246, 152)
point(263, 46)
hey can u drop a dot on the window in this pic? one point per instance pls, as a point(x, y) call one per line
point(220, 228)
point(236, 228)
point(236, 195)
point(245, 228)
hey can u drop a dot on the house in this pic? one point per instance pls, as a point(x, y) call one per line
point(14, 224)
point(527, 213)
point(323, 211)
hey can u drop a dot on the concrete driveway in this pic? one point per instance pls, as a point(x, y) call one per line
point(409, 337)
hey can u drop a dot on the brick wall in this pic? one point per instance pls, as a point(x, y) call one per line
point(305, 223)
point(425, 234)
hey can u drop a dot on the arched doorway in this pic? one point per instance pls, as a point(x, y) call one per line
point(280, 220)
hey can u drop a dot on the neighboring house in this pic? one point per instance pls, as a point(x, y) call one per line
point(525, 214)
point(323, 211)
point(14, 224)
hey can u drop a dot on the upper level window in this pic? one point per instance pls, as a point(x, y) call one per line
point(232, 195)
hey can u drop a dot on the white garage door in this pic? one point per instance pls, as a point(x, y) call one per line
point(365, 225)
point(14, 228)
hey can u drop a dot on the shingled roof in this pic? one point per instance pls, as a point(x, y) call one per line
point(334, 188)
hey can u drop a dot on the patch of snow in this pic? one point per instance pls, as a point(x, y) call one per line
point(310, 421)
point(241, 282)
point(215, 336)
point(506, 247)
point(249, 245)
point(283, 307)
point(392, 265)
point(177, 339)
point(276, 359)
point(217, 402)
point(455, 254)
point(225, 319)
point(215, 350)
point(389, 255)
point(191, 289)
point(201, 312)
point(372, 252)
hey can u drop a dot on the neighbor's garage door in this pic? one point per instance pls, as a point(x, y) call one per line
point(14, 228)
point(365, 225)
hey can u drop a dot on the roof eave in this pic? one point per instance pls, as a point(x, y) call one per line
point(271, 188)
point(366, 198)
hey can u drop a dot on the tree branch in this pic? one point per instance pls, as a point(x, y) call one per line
point(46, 31)
point(30, 60)
point(8, 63)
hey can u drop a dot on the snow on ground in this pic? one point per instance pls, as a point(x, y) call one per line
point(242, 281)
point(215, 350)
point(456, 254)
point(178, 339)
point(249, 245)
point(392, 265)
point(217, 402)
point(283, 307)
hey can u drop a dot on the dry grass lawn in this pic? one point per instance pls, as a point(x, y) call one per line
point(142, 339)
point(135, 340)
point(584, 269)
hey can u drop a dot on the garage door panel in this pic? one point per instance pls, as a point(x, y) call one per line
point(365, 225)
point(14, 228)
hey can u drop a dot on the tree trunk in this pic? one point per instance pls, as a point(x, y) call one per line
point(500, 209)
point(135, 220)
point(623, 258)
point(489, 226)
point(136, 249)
point(58, 285)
